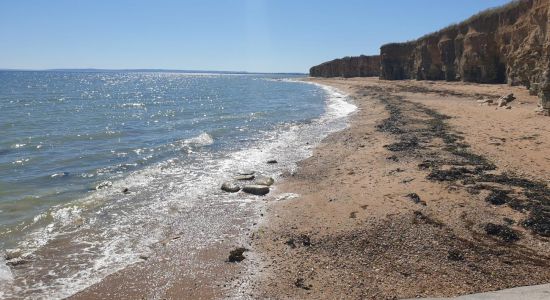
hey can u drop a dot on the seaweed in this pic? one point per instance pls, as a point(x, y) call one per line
point(416, 199)
point(452, 174)
point(461, 164)
point(503, 232)
point(498, 197)
point(404, 145)
point(455, 255)
point(539, 221)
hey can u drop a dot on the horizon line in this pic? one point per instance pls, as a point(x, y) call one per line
point(145, 70)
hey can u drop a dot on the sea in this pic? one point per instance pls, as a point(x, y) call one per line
point(97, 166)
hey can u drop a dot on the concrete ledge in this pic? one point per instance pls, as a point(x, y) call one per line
point(535, 292)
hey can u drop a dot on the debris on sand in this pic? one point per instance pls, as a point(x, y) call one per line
point(405, 145)
point(236, 255)
point(456, 164)
point(498, 197)
point(539, 220)
point(393, 158)
point(420, 217)
point(485, 101)
point(504, 232)
point(455, 255)
point(291, 243)
point(300, 283)
point(504, 100)
point(303, 239)
point(416, 199)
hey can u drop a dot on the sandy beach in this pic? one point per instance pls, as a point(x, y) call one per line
point(427, 193)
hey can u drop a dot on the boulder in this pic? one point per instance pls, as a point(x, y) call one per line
point(246, 172)
point(264, 180)
point(272, 161)
point(12, 254)
point(256, 189)
point(16, 262)
point(245, 177)
point(230, 187)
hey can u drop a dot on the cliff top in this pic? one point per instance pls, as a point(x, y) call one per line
point(478, 17)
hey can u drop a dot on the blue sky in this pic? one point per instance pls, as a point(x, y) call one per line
point(238, 35)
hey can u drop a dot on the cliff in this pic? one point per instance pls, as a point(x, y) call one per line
point(357, 66)
point(509, 44)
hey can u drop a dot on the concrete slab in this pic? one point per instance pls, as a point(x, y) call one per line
point(535, 292)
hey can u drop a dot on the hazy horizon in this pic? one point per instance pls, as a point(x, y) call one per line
point(146, 70)
point(237, 36)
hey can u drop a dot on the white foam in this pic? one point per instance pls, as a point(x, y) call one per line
point(6, 276)
point(287, 196)
point(5, 272)
point(203, 139)
point(138, 104)
point(16, 146)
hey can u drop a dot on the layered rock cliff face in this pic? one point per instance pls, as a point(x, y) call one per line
point(510, 44)
point(356, 66)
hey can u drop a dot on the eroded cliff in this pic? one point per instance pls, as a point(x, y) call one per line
point(509, 44)
point(356, 66)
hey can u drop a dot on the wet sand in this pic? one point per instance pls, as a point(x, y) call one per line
point(395, 206)
point(427, 194)
point(179, 267)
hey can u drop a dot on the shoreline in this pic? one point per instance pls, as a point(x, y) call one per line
point(207, 274)
point(369, 223)
point(363, 221)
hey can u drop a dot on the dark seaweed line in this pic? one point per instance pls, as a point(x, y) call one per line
point(470, 169)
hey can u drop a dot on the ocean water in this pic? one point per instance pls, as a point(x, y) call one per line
point(72, 142)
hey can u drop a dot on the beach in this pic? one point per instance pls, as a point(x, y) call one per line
point(376, 214)
point(92, 205)
point(398, 205)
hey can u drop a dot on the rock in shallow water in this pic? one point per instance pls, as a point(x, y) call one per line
point(246, 172)
point(264, 180)
point(230, 187)
point(16, 262)
point(245, 177)
point(12, 253)
point(256, 189)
